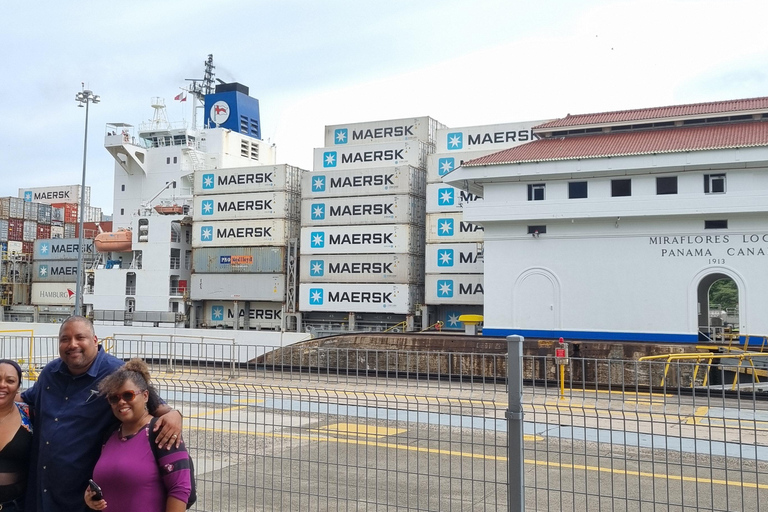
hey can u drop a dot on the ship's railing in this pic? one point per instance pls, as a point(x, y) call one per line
point(175, 262)
point(177, 290)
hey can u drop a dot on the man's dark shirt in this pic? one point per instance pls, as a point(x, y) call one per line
point(70, 420)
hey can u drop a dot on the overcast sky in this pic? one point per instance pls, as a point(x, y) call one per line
point(316, 63)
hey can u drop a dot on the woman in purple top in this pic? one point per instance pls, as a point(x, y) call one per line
point(130, 477)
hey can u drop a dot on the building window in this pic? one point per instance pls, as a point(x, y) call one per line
point(715, 224)
point(666, 185)
point(168, 160)
point(536, 192)
point(175, 159)
point(577, 190)
point(620, 188)
point(122, 188)
point(536, 230)
point(714, 183)
point(122, 211)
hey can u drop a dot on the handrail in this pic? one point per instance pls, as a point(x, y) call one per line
point(698, 356)
point(402, 324)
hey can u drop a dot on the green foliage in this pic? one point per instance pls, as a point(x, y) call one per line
point(724, 292)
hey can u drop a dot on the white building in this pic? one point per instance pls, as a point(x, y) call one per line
point(615, 225)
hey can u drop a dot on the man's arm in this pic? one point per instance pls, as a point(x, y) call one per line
point(168, 426)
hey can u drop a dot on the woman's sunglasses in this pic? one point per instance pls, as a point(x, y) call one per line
point(126, 396)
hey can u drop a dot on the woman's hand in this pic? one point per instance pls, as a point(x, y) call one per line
point(168, 427)
point(93, 504)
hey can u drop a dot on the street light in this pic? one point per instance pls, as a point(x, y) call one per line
point(83, 97)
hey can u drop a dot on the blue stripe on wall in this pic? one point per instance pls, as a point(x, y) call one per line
point(596, 335)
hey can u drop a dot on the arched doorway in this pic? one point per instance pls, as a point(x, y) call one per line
point(718, 311)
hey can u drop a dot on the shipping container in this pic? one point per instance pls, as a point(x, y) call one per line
point(53, 195)
point(57, 231)
point(402, 179)
point(466, 258)
point(390, 209)
point(27, 247)
point(360, 298)
point(3, 230)
point(423, 129)
point(30, 211)
point(261, 315)
point(491, 137)
point(253, 205)
point(70, 211)
point(262, 178)
point(54, 271)
point(15, 247)
point(453, 289)
point(243, 233)
point(15, 229)
point(440, 164)
point(362, 268)
point(449, 228)
point(53, 294)
point(260, 287)
point(369, 156)
point(445, 198)
point(57, 214)
point(16, 208)
point(243, 260)
point(30, 231)
point(43, 231)
point(70, 230)
point(378, 239)
point(61, 249)
point(44, 214)
point(92, 214)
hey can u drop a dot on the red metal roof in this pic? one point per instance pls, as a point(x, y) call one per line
point(647, 114)
point(667, 140)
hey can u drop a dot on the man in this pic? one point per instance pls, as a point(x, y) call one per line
point(71, 420)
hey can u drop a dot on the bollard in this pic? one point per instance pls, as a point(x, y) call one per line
point(515, 470)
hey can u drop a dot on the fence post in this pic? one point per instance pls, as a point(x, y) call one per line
point(515, 470)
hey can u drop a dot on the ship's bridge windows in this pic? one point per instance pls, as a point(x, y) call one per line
point(666, 185)
point(716, 224)
point(577, 190)
point(714, 183)
point(621, 188)
point(536, 191)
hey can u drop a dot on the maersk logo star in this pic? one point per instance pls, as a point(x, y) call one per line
point(445, 165)
point(316, 268)
point(317, 239)
point(452, 319)
point(316, 296)
point(208, 181)
point(445, 258)
point(445, 196)
point(329, 159)
point(44, 248)
point(217, 313)
point(340, 136)
point(28, 196)
point(206, 233)
point(318, 211)
point(43, 272)
point(445, 288)
point(318, 184)
point(207, 207)
point(455, 140)
point(445, 227)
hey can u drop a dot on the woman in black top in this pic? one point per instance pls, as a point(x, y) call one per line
point(15, 439)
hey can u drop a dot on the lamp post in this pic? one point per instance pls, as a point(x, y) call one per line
point(83, 97)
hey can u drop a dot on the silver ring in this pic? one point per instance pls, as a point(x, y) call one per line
point(174, 436)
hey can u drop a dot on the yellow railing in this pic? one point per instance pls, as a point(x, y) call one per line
point(708, 356)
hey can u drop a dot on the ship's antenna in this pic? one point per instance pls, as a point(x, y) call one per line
point(200, 88)
point(159, 120)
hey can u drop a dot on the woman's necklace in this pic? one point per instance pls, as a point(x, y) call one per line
point(126, 437)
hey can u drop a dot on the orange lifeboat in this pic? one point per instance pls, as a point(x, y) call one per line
point(117, 241)
point(169, 209)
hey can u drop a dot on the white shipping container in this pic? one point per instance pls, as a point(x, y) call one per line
point(363, 268)
point(29, 233)
point(377, 239)
point(261, 287)
point(453, 289)
point(450, 227)
point(261, 178)
point(61, 249)
point(359, 298)
point(242, 233)
point(52, 195)
point(390, 209)
point(445, 198)
point(464, 258)
point(3, 230)
point(92, 214)
point(15, 247)
point(30, 211)
point(69, 230)
point(252, 205)
point(57, 231)
point(493, 137)
point(57, 214)
point(370, 156)
point(440, 164)
point(54, 271)
point(53, 294)
point(412, 128)
point(402, 179)
point(265, 315)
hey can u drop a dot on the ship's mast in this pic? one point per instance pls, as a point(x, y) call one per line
point(201, 87)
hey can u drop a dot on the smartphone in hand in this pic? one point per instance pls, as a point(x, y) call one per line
point(95, 488)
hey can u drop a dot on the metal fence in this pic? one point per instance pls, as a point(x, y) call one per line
point(313, 428)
